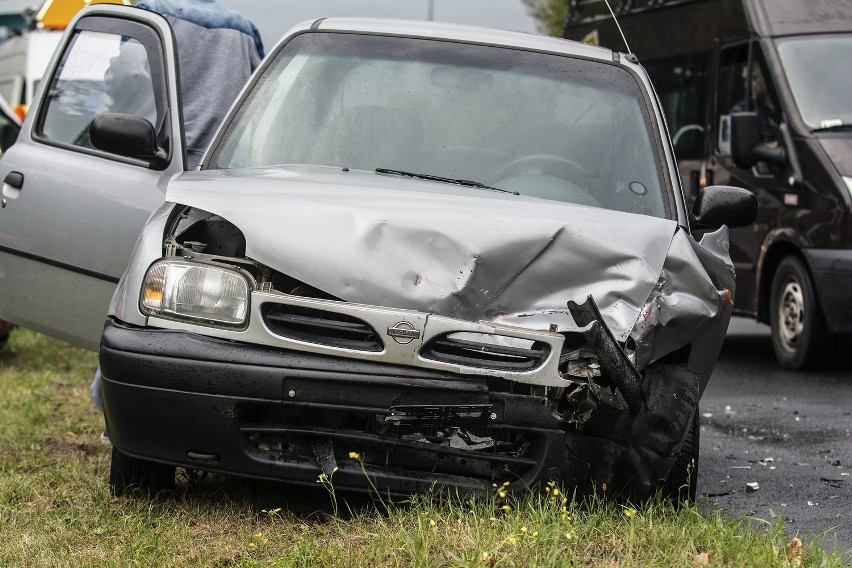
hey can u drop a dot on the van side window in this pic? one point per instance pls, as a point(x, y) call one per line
point(681, 83)
point(99, 72)
point(734, 96)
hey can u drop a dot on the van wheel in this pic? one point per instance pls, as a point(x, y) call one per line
point(798, 330)
point(682, 483)
point(127, 473)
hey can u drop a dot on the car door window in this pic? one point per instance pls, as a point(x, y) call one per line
point(103, 71)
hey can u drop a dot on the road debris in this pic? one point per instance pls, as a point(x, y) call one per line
point(752, 486)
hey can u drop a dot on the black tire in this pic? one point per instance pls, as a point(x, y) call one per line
point(682, 483)
point(127, 473)
point(798, 329)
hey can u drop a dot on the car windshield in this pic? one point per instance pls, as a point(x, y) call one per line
point(543, 125)
point(819, 70)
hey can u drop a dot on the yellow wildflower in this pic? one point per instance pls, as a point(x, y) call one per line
point(630, 513)
point(506, 508)
point(432, 522)
point(354, 456)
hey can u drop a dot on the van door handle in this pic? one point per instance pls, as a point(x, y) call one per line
point(12, 186)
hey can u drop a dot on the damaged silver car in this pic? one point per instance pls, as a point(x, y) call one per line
point(462, 253)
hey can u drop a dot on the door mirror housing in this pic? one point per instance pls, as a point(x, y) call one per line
point(746, 146)
point(125, 135)
point(745, 135)
point(719, 205)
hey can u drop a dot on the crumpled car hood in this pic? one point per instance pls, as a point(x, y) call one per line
point(459, 252)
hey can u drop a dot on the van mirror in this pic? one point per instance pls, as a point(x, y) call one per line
point(719, 205)
point(124, 134)
point(746, 146)
point(745, 136)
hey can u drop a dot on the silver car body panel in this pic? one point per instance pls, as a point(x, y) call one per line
point(508, 269)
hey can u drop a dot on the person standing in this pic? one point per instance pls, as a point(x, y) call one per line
point(218, 49)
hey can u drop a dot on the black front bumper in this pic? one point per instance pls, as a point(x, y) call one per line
point(241, 409)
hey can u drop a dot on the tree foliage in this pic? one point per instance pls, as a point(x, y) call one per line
point(550, 15)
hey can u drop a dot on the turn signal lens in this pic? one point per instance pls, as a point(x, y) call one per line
point(196, 292)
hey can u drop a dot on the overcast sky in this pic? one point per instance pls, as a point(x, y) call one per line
point(274, 17)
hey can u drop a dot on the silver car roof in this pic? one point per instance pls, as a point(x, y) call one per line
point(456, 32)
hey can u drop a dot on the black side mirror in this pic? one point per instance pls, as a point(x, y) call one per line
point(124, 134)
point(746, 147)
point(745, 135)
point(8, 135)
point(719, 205)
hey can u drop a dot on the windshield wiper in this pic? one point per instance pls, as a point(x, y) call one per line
point(833, 128)
point(464, 182)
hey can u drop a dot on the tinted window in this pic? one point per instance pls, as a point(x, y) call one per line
point(682, 84)
point(744, 85)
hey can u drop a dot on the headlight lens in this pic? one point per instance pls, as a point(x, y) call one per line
point(848, 181)
point(195, 292)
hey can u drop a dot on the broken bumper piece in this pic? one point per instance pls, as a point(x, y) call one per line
point(206, 403)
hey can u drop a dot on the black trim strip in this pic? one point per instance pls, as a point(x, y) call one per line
point(60, 264)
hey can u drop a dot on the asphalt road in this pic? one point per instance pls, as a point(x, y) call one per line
point(788, 432)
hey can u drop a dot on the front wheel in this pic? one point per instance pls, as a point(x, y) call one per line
point(127, 473)
point(798, 329)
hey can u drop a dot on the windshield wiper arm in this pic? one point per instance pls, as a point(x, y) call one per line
point(463, 182)
point(833, 128)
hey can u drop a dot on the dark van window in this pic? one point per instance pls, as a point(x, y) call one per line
point(681, 83)
point(734, 95)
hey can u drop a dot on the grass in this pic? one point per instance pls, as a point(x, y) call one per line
point(56, 510)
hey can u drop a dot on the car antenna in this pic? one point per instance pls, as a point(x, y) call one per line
point(618, 26)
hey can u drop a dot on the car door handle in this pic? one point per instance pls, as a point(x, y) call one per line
point(12, 187)
point(14, 180)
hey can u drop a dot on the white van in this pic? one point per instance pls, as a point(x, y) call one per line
point(23, 60)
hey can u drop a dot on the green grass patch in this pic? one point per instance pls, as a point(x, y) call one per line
point(56, 510)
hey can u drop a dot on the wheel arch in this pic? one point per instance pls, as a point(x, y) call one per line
point(774, 249)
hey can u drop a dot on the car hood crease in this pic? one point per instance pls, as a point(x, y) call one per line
point(458, 252)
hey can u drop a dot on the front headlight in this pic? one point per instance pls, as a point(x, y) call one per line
point(848, 181)
point(195, 292)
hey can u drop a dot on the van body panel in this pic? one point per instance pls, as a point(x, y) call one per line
point(839, 150)
point(793, 17)
point(832, 273)
point(23, 61)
